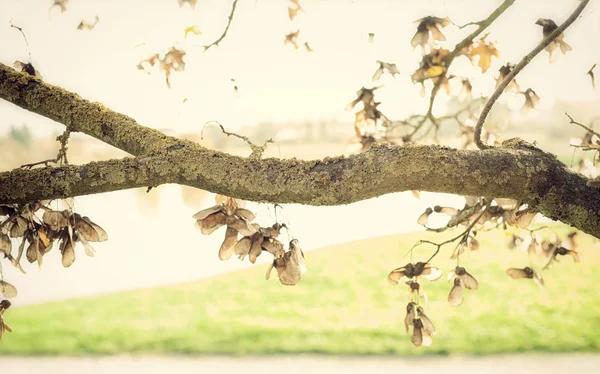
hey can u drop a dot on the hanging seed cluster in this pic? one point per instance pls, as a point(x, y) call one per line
point(39, 229)
point(255, 239)
point(39, 235)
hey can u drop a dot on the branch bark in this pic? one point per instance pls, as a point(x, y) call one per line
point(516, 170)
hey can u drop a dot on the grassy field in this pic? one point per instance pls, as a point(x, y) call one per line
point(344, 305)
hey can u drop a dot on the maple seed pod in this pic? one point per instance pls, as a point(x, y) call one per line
point(211, 223)
point(428, 326)
point(242, 247)
point(5, 304)
point(67, 251)
point(256, 246)
point(455, 297)
point(227, 248)
point(410, 315)
point(8, 290)
point(467, 279)
point(417, 336)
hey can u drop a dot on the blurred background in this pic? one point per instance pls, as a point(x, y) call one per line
point(157, 286)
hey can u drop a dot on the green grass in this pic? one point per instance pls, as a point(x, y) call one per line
point(344, 305)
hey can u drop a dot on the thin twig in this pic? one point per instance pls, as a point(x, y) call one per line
point(61, 157)
point(458, 49)
point(216, 42)
point(24, 37)
point(524, 62)
point(588, 129)
point(461, 235)
point(257, 151)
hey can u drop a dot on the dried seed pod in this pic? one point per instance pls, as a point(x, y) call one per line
point(211, 223)
point(242, 247)
point(297, 255)
point(207, 212)
point(428, 326)
point(18, 227)
point(241, 225)
point(417, 336)
point(397, 275)
point(410, 315)
point(67, 250)
point(8, 290)
point(256, 246)
point(423, 218)
point(4, 304)
point(288, 271)
point(425, 270)
point(467, 279)
point(88, 229)
point(55, 220)
point(245, 214)
point(527, 273)
point(455, 297)
point(5, 245)
point(227, 248)
point(273, 246)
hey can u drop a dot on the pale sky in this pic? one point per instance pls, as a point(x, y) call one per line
point(276, 83)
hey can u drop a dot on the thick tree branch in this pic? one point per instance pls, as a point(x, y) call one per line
point(520, 66)
point(517, 170)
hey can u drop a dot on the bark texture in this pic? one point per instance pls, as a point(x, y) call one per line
point(515, 170)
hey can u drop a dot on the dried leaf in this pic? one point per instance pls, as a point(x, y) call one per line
point(483, 53)
point(85, 25)
point(193, 29)
point(548, 26)
point(292, 38)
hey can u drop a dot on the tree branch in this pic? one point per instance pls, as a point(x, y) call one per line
point(520, 66)
point(517, 170)
point(216, 42)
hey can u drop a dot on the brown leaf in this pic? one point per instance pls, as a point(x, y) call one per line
point(292, 38)
point(531, 100)
point(426, 25)
point(85, 25)
point(483, 54)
